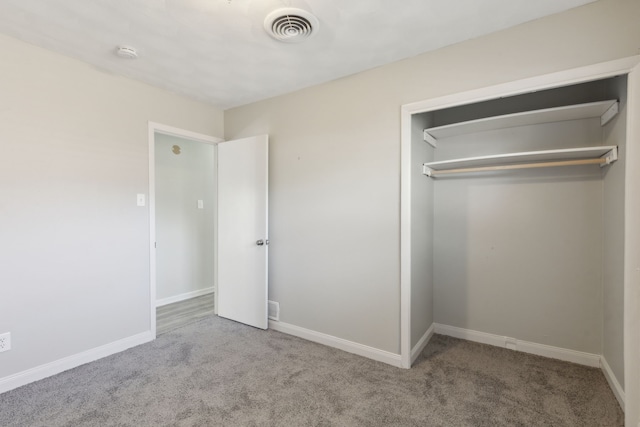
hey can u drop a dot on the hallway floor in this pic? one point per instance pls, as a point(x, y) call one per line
point(179, 314)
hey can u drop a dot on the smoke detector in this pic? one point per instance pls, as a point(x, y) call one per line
point(126, 52)
point(291, 25)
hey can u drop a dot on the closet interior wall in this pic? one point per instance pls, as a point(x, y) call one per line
point(614, 133)
point(536, 254)
point(422, 305)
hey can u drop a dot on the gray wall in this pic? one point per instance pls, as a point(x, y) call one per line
point(74, 246)
point(421, 232)
point(184, 233)
point(335, 162)
point(519, 254)
point(613, 238)
point(333, 213)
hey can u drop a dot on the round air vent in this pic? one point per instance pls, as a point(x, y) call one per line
point(291, 25)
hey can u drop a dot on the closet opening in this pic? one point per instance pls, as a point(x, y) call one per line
point(513, 220)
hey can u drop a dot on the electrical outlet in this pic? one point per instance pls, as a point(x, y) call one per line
point(5, 342)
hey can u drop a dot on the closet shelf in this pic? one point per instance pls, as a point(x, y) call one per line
point(602, 156)
point(606, 110)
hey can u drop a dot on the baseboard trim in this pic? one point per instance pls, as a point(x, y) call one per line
point(339, 343)
point(185, 296)
point(618, 391)
point(567, 355)
point(43, 371)
point(422, 343)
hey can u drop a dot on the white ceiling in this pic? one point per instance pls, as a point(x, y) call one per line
point(217, 50)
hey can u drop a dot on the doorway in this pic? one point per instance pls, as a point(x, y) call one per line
point(237, 206)
point(182, 204)
point(185, 206)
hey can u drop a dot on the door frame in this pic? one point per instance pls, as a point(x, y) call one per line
point(193, 136)
point(547, 81)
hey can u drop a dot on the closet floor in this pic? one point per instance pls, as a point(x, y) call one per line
point(179, 314)
point(493, 386)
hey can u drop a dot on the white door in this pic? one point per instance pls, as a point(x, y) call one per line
point(242, 230)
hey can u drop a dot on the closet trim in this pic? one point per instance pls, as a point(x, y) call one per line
point(547, 81)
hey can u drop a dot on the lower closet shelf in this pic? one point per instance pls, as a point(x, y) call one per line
point(602, 156)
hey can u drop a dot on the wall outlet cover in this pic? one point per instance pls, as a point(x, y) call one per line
point(5, 342)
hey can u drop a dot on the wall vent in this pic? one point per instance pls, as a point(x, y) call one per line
point(291, 25)
point(274, 310)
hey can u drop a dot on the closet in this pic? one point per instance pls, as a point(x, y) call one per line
point(517, 223)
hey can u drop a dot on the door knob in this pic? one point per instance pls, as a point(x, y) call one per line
point(260, 242)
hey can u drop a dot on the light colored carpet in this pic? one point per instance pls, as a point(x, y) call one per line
point(219, 373)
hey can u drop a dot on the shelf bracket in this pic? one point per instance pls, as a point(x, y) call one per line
point(609, 114)
point(610, 157)
point(426, 170)
point(429, 139)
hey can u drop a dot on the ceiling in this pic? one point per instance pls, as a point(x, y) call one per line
point(217, 51)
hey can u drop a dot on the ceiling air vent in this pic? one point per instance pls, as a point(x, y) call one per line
point(291, 25)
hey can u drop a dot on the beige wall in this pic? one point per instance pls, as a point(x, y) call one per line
point(335, 162)
point(74, 246)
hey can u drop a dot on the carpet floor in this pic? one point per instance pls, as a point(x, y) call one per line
point(220, 373)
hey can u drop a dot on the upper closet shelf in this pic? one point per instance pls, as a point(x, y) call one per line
point(602, 156)
point(606, 110)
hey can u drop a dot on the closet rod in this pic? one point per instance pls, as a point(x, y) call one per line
point(598, 161)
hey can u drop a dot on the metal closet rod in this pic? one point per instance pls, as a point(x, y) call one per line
point(598, 161)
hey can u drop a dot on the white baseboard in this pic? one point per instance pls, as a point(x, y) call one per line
point(422, 343)
point(618, 391)
point(61, 365)
point(339, 343)
point(182, 297)
point(567, 355)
